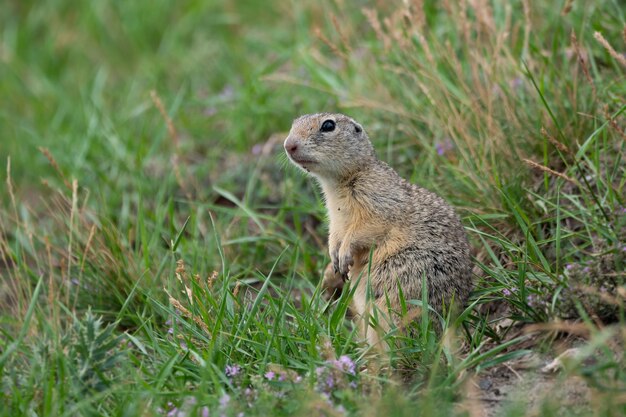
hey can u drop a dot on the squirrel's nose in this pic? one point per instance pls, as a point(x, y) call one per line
point(291, 146)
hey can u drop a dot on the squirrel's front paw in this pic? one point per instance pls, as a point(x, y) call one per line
point(332, 284)
point(345, 262)
point(334, 258)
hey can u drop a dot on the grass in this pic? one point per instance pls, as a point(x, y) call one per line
point(159, 257)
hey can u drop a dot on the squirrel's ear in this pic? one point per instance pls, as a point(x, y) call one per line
point(357, 128)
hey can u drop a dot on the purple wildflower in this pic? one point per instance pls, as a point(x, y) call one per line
point(506, 292)
point(270, 375)
point(232, 370)
point(346, 364)
point(204, 411)
point(175, 411)
point(444, 146)
point(224, 400)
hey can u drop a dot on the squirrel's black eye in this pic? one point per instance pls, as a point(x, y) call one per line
point(328, 126)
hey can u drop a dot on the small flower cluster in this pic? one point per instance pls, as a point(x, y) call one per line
point(336, 374)
point(186, 408)
point(536, 301)
point(277, 374)
point(171, 323)
point(571, 269)
point(533, 300)
point(444, 146)
point(276, 383)
point(591, 285)
point(508, 292)
point(232, 371)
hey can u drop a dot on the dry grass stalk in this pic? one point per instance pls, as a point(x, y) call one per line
point(180, 269)
point(560, 146)
point(344, 38)
point(52, 296)
point(484, 16)
point(604, 296)
point(319, 35)
point(583, 63)
point(567, 7)
point(5, 252)
point(181, 275)
point(158, 103)
point(463, 20)
point(211, 279)
point(579, 329)
point(186, 313)
point(372, 17)
point(70, 243)
point(550, 171)
point(618, 57)
point(613, 123)
point(10, 188)
point(424, 44)
point(236, 290)
point(55, 165)
point(92, 233)
point(416, 11)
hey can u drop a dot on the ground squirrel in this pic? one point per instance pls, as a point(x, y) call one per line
point(384, 232)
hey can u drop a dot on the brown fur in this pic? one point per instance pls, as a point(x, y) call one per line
point(407, 231)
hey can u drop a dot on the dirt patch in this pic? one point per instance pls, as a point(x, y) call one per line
point(504, 388)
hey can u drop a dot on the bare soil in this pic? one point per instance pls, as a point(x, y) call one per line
point(502, 388)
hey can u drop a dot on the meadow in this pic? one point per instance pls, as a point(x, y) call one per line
point(159, 256)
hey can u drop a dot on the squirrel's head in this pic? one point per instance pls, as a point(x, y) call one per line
point(328, 145)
